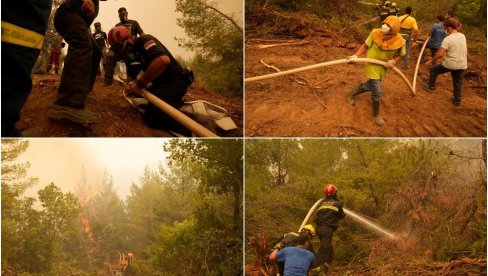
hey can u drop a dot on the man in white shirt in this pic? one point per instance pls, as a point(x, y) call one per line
point(454, 51)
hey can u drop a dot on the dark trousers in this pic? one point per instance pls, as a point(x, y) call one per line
point(433, 51)
point(326, 250)
point(17, 61)
point(172, 95)
point(457, 79)
point(111, 61)
point(80, 64)
point(103, 52)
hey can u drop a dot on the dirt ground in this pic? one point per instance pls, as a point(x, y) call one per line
point(286, 106)
point(119, 119)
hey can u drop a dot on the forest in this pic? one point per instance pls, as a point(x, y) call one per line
point(431, 194)
point(183, 219)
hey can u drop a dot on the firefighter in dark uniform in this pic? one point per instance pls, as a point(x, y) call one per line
point(161, 70)
point(24, 24)
point(329, 213)
point(72, 20)
point(112, 58)
point(291, 239)
point(101, 39)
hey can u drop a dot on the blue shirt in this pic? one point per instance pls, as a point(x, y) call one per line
point(297, 260)
point(437, 34)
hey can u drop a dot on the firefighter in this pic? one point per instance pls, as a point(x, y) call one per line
point(384, 44)
point(384, 10)
point(163, 75)
point(291, 240)
point(101, 39)
point(393, 9)
point(112, 57)
point(409, 31)
point(297, 260)
point(24, 24)
point(329, 213)
point(72, 20)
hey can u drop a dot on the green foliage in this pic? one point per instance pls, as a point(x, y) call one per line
point(411, 187)
point(216, 164)
point(472, 11)
point(217, 40)
point(14, 174)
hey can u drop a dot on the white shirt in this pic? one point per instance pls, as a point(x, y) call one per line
point(456, 52)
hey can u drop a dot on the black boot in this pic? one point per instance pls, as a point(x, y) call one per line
point(353, 92)
point(376, 112)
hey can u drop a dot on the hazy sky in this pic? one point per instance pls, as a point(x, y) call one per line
point(61, 161)
point(158, 18)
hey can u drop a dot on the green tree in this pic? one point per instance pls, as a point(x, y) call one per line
point(217, 164)
point(217, 40)
point(59, 224)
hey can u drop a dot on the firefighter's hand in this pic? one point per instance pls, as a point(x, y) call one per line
point(390, 63)
point(428, 62)
point(278, 246)
point(88, 8)
point(134, 88)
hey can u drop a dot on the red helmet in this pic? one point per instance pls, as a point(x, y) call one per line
point(330, 189)
point(118, 35)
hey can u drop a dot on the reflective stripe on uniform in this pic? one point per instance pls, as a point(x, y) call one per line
point(21, 36)
point(328, 207)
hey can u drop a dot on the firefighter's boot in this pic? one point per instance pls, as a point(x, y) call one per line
point(376, 112)
point(353, 92)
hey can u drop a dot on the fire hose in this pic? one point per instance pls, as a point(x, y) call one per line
point(330, 63)
point(349, 213)
point(418, 62)
point(186, 121)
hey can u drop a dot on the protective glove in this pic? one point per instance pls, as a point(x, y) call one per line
point(278, 246)
point(351, 57)
point(390, 63)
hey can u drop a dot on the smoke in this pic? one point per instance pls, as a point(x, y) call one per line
point(61, 162)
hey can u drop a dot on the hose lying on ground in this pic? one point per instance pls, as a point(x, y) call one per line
point(330, 63)
point(186, 121)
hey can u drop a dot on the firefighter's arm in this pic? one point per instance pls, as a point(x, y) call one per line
point(156, 68)
point(437, 56)
point(272, 257)
point(415, 35)
point(361, 50)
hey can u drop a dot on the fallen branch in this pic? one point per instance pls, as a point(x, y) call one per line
point(282, 44)
point(330, 63)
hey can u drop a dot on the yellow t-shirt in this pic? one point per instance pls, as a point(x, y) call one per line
point(374, 71)
point(409, 23)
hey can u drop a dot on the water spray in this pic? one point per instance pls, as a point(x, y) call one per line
point(354, 216)
point(368, 223)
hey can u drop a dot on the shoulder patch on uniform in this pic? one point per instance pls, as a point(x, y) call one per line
point(149, 44)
